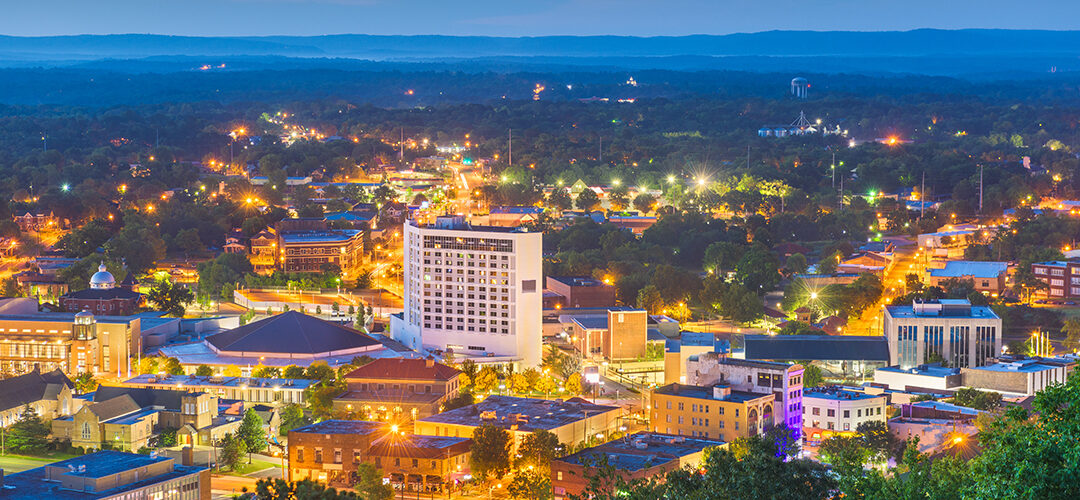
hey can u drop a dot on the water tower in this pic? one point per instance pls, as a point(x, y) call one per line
point(799, 87)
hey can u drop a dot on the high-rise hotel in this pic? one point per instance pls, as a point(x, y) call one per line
point(472, 290)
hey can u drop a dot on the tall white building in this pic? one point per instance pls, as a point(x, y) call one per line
point(948, 330)
point(474, 290)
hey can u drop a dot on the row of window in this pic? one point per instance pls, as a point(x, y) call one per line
point(831, 412)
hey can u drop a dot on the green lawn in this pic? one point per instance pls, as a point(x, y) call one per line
point(246, 468)
point(18, 463)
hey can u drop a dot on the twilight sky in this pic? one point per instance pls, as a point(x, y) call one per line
point(521, 17)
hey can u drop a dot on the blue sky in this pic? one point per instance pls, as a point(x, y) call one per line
point(520, 17)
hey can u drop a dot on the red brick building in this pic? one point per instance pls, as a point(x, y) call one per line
point(579, 291)
point(104, 297)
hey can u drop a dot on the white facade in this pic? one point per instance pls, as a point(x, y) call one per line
point(961, 334)
point(782, 380)
point(841, 410)
point(474, 290)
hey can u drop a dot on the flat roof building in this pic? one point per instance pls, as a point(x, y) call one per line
point(781, 380)
point(579, 291)
point(474, 291)
point(109, 475)
point(248, 389)
point(574, 421)
point(1022, 377)
point(834, 409)
point(989, 277)
point(642, 455)
point(399, 389)
point(329, 451)
point(711, 412)
point(950, 329)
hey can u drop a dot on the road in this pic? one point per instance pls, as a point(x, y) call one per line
point(907, 259)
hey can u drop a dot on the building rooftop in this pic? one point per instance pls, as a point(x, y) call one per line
point(322, 236)
point(838, 394)
point(775, 365)
point(527, 413)
point(963, 268)
point(31, 484)
point(948, 407)
point(578, 281)
point(928, 370)
point(405, 369)
point(706, 392)
point(418, 446)
point(641, 450)
point(291, 333)
point(1024, 366)
point(817, 347)
point(342, 427)
point(31, 387)
point(189, 381)
point(942, 308)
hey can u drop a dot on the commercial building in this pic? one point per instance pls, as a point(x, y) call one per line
point(839, 409)
point(109, 475)
point(989, 277)
point(474, 291)
point(1021, 377)
point(247, 389)
point(73, 343)
point(426, 464)
point(620, 334)
point(839, 355)
point(289, 338)
point(713, 412)
point(781, 380)
point(1061, 276)
point(316, 251)
point(329, 451)
point(573, 421)
point(38, 222)
point(926, 378)
point(578, 291)
point(399, 389)
point(639, 456)
point(678, 351)
point(950, 329)
point(103, 297)
point(47, 394)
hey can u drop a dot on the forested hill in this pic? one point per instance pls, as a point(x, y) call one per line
point(944, 52)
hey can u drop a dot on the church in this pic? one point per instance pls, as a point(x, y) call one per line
point(104, 297)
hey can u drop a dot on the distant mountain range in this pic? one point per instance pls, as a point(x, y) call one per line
point(946, 52)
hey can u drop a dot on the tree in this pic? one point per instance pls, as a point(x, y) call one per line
point(828, 263)
point(232, 452)
point(490, 452)
point(171, 298)
point(573, 384)
point(943, 478)
point(979, 400)
point(292, 371)
point(560, 199)
point(649, 298)
point(292, 416)
point(795, 264)
point(846, 453)
point(251, 433)
point(172, 366)
point(29, 434)
point(85, 383)
point(464, 398)
point(204, 371)
point(587, 200)
point(538, 449)
point(519, 383)
point(812, 376)
point(645, 202)
point(369, 483)
point(1071, 329)
point(320, 371)
point(280, 489)
point(266, 372)
point(758, 270)
point(487, 380)
point(546, 384)
point(219, 276)
point(530, 485)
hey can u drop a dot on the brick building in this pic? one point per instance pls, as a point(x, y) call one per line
point(578, 291)
point(715, 412)
point(103, 297)
point(397, 389)
point(329, 451)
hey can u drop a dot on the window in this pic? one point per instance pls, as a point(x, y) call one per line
point(847, 413)
point(318, 455)
point(337, 456)
point(815, 411)
point(356, 457)
point(831, 412)
point(559, 476)
point(415, 463)
point(86, 431)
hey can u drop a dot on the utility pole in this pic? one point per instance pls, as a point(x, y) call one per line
point(841, 200)
point(510, 160)
point(922, 197)
point(833, 167)
point(401, 148)
point(980, 189)
point(600, 150)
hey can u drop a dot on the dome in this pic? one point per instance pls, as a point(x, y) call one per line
point(103, 279)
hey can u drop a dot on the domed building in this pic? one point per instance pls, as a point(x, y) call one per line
point(104, 297)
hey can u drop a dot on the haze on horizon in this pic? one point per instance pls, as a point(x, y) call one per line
point(517, 18)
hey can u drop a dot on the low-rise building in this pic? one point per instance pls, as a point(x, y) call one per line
point(1022, 377)
point(109, 475)
point(578, 291)
point(573, 421)
point(103, 297)
point(678, 351)
point(619, 334)
point(952, 330)
point(329, 451)
point(927, 378)
point(840, 410)
point(1062, 277)
point(247, 389)
point(639, 456)
point(399, 389)
point(715, 412)
point(784, 381)
point(989, 277)
point(263, 255)
point(48, 394)
point(316, 251)
point(73, 343)
point(425, 464)
point(840, 355)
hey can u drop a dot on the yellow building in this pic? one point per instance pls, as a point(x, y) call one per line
point(399, 389)
point(73, 343)
point(715, 412)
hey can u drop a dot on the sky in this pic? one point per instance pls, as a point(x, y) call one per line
point(520, 17)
